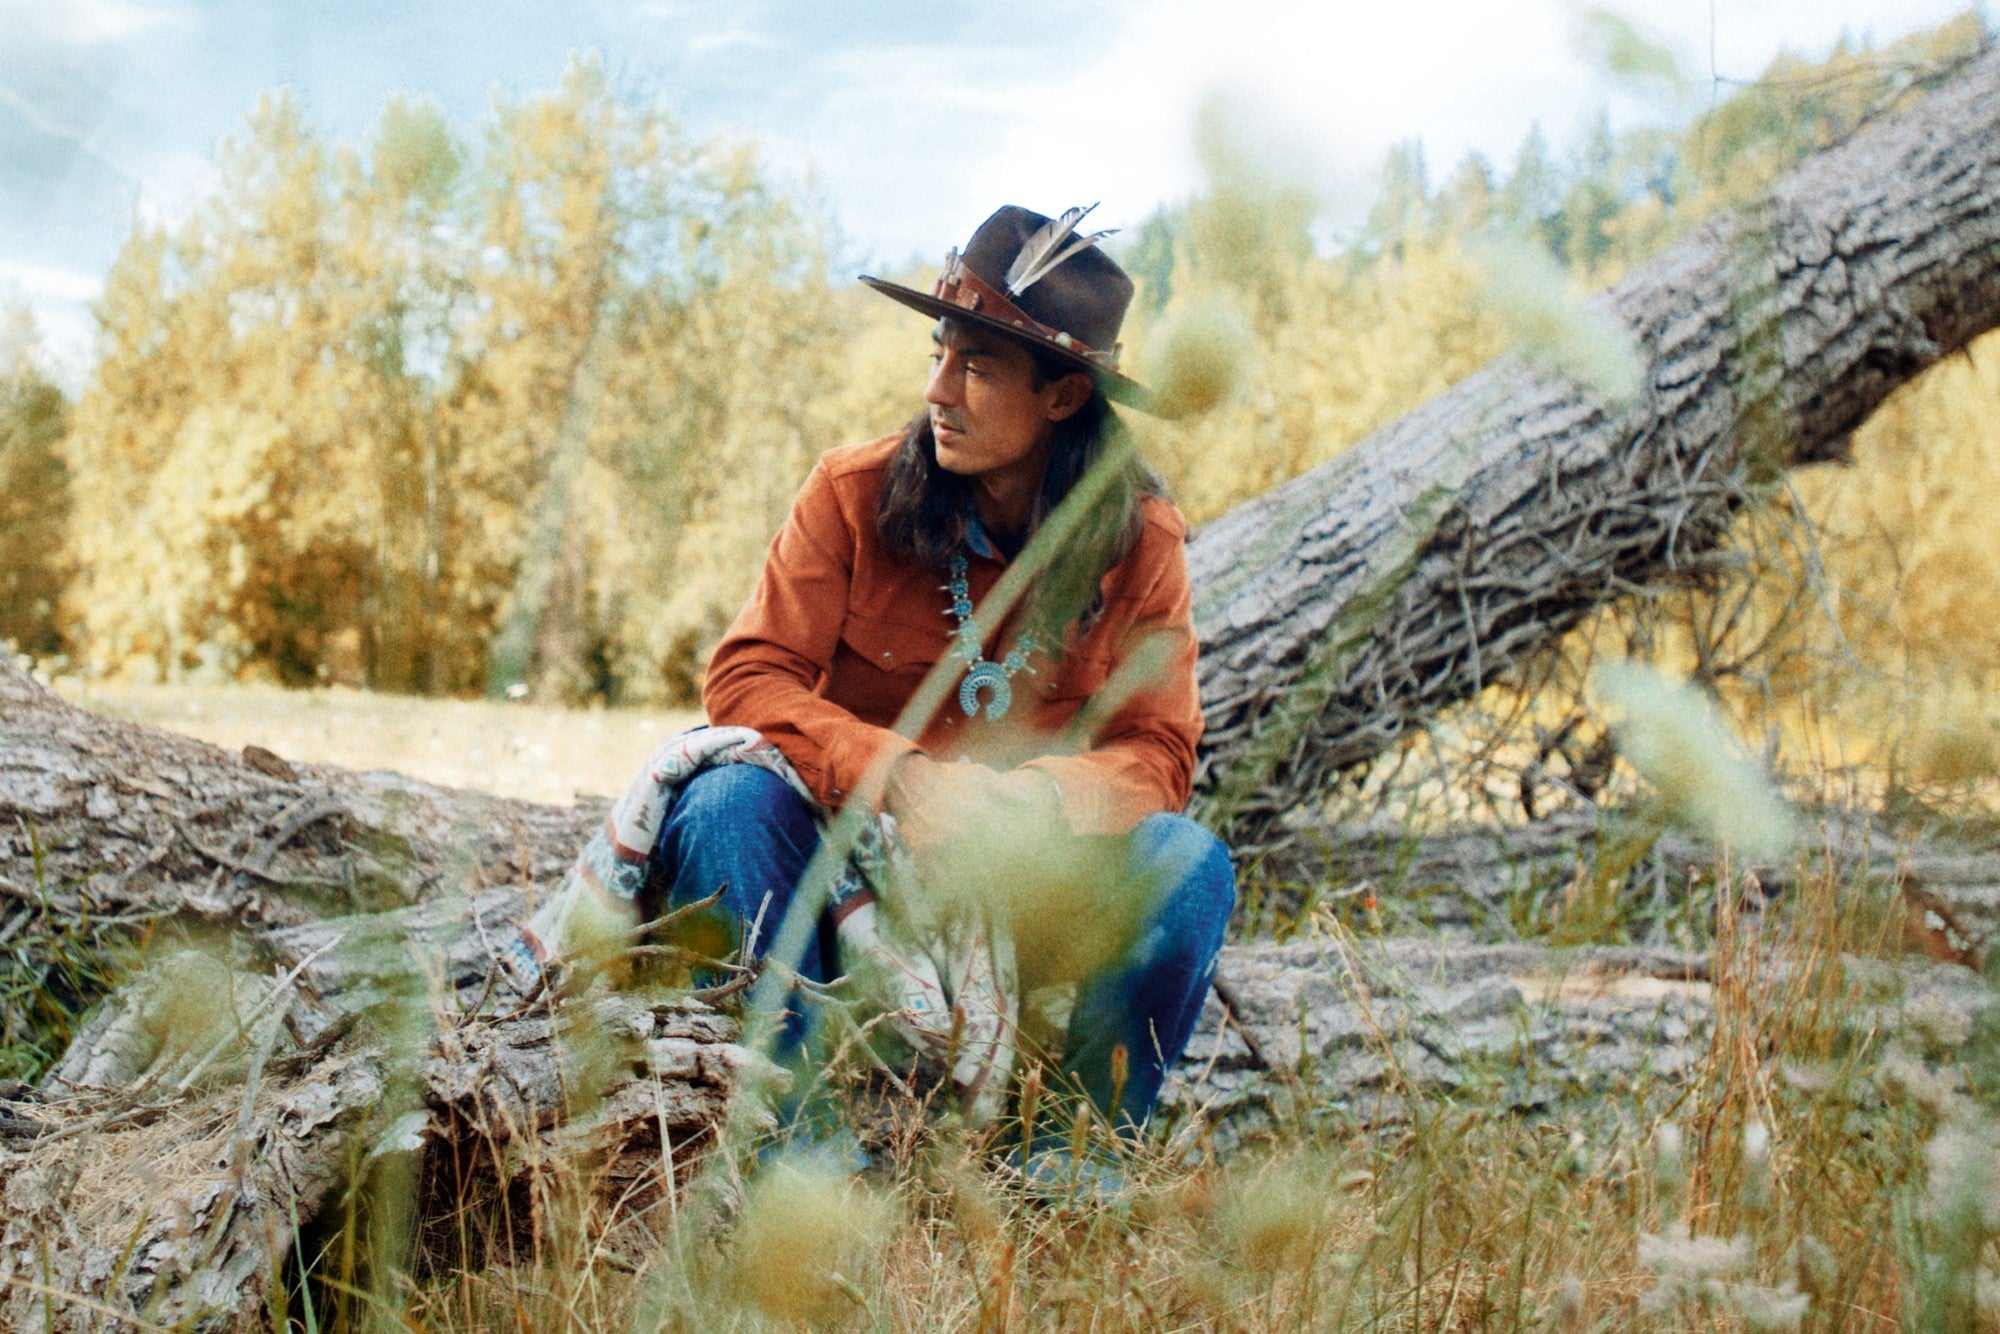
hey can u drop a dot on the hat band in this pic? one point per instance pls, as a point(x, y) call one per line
point(965, 289)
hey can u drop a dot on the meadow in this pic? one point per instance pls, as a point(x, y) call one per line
point(511, 749)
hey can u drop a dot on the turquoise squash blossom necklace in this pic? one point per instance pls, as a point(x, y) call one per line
point(981, 674)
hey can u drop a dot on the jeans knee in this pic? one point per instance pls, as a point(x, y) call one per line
point(742, 833)
point(1191, 868)
point(743, 799)
point(737, 829)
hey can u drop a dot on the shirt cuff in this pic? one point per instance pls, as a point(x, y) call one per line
point(866, 752)
point(1089, 803)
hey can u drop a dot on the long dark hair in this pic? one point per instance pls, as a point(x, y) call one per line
point(924, 510)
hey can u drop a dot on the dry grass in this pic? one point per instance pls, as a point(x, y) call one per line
point(1786, 1188)
point(530, 751)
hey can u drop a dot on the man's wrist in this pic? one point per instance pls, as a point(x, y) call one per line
point(904, 772)
point(1043, 789)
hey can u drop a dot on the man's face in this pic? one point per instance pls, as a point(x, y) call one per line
point(987, 414)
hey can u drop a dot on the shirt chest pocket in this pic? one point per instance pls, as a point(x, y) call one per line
point(892, 646)
point(1079, 674)
point(1090, 661)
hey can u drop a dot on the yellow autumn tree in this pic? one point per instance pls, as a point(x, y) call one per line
point(34, 492)
point(426, 417)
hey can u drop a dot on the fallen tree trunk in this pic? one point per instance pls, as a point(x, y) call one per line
point(108, 819)
point(320, 1059)
point(321, 996)
point(1333, 1034)
point(1486, 882)
point(209, 1118)
point(1343, 608)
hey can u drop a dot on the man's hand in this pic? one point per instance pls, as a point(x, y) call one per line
point(930, 799)
point(949, 813)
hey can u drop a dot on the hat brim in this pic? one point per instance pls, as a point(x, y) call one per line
point(1118, 388)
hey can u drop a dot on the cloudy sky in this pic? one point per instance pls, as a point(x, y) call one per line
point(911, 119)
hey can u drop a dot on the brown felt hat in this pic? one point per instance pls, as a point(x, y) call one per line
point(1042, 281)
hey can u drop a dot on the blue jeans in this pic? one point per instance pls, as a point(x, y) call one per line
point(740, 830)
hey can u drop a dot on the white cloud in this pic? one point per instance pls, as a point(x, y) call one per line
point(1331, 86)
point(909, 142)
point(60, 303)
point(91, 22)
point(729, 39)
point(69, 336)
point(37, 281)
point(175, 183)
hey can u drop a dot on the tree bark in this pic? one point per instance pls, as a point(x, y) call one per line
point(319, 1005)
point(103, 819)
point(1342, 608)
point(1332, 1033)
point(1484, 882)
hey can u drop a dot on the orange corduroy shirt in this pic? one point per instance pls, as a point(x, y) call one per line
point(841, 631)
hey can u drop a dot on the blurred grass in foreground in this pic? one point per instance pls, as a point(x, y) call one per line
point(1800, 1178)
point(531, 751)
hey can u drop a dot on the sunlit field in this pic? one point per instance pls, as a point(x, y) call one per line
point(531, 751)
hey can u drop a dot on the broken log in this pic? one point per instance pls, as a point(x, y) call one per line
point(1341, 609)
point(1332, 1034)
point(105, 820)
point(180, 1191)
point(319, 996)
point(1485, 882)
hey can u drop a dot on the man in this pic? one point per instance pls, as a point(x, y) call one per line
point(1074, 720)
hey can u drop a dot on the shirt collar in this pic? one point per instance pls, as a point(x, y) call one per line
point(981, 544)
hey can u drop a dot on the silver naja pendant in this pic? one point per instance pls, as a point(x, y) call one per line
point(985, 676)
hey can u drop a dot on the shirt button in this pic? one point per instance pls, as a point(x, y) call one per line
point(887, 656)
